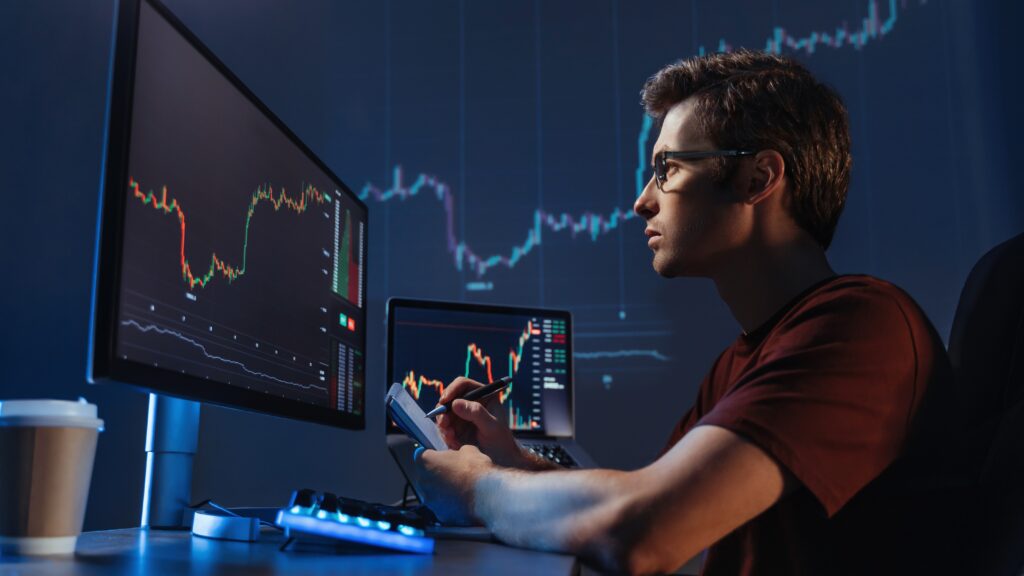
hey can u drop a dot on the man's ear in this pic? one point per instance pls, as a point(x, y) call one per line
point(766, 173)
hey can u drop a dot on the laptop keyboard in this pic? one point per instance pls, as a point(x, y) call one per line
point(552, 453)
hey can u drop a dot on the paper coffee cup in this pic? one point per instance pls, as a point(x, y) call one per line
point(47, 448)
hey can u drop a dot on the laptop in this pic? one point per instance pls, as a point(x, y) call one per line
point(430, 343)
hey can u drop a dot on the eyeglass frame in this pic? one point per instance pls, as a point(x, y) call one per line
point(661, 160)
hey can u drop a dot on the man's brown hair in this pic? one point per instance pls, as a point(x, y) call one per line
point(758, 101)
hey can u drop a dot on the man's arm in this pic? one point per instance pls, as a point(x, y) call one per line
point(648, 520)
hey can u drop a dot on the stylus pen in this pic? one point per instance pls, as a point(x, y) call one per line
point(478, 394)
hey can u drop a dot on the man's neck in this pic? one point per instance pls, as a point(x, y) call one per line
point(761, 280)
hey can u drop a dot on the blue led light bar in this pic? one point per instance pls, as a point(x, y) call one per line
point(405, 540)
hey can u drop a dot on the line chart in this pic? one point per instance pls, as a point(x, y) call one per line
point(622, 354)
point(202, 348)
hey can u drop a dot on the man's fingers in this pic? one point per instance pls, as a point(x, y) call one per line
point(473, 412)
point(451, 439)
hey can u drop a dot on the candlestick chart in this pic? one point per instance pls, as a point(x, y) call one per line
point(480, 367)
point(430, 349)
point(595, 225)
point(231, 272)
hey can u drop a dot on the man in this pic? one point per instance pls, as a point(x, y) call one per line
point(811, 447)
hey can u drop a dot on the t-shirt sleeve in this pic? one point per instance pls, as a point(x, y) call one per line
point(692, 416)
point(832, 397)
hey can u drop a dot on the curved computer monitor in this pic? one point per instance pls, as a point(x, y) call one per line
point(231, 261)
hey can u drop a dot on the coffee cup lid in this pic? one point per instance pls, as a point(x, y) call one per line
point(49, 413)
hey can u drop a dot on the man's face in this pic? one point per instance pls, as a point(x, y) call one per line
point(694, 221)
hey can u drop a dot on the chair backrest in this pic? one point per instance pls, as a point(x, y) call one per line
point(986, 348)
point(986, 343)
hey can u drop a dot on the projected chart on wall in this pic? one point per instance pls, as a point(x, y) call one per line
point(244, 261)
point(430, 347)
point(507, 147)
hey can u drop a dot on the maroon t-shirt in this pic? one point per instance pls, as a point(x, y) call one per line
point(848, 388)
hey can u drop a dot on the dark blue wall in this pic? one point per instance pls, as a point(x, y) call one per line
point(517, 106)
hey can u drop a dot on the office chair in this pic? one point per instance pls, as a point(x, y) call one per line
point(986, 347)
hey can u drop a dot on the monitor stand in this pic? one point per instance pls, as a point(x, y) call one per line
point(172, 433)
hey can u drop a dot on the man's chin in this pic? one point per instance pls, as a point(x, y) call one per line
point(664, 273)
point(663, 267)
point(672, 268)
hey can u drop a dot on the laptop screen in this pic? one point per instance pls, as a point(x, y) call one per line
point(432, 343)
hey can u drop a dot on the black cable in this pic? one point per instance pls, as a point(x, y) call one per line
point(408, 497)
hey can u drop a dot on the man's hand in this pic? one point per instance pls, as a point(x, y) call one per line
point(448, 480)
point(478, 424)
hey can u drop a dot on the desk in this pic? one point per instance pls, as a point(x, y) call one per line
point(140, 552)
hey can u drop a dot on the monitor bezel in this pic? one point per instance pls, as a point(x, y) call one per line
point(103, 365)
point(394, 303)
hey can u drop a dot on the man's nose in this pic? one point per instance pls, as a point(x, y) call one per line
point(646, 204)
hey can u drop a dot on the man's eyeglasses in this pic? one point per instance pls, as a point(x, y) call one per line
point(661, 160)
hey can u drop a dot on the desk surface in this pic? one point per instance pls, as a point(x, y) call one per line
point(137, 552)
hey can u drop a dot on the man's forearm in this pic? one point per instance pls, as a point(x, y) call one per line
point(649, 520)
point(565, 511)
